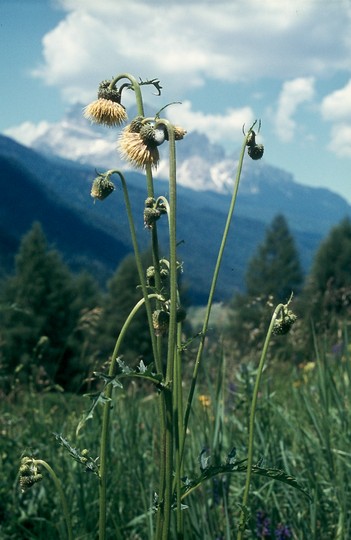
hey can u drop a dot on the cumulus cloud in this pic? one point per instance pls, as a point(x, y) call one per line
point(340, 140)
point(293, 94)
point(337, 105)
point(217, 127)
point(184, 43)
point(336, 108)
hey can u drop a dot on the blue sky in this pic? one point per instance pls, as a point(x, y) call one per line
point(228, 62)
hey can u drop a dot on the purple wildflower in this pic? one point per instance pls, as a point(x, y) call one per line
point(283, 532)
point(263, 525)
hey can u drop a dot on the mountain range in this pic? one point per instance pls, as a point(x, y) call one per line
point(50, 182)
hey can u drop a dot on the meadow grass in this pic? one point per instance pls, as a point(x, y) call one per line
point(192, 445)
point(302, 426)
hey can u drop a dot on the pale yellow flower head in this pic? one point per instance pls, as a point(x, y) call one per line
point(139, 150)
point(106, 112)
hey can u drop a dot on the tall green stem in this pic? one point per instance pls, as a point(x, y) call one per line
point(140, 269)
point(61, 495)
point(242, 519)
point(106, 418)
point(213, 286)
point(167, 473)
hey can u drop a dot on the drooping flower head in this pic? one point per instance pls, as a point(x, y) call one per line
point(102, 186)
point(139, 141)
point(107, 109)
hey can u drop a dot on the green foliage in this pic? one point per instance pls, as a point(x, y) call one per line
point(273, 274)
point(275, 271)
point(42, 304)
point(327, 295)
point(302, 429)
point(123, 293)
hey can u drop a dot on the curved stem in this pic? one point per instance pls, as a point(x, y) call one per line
point(213, 285)
point(136, 88)
point(140, 269)
point(106, 419)
point(61, 495)
point(242, 518)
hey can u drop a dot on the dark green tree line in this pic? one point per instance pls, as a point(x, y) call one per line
point(58, 327)
point(41, 305)
point(326, 298)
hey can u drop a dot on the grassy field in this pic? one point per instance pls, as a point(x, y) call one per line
point(302, 428)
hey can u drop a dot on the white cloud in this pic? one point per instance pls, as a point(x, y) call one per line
point(217, 127)
point(27, 132)
point(336, 108)
point(340, 140)
point(184, 43)
point(337, 105)
point(293, 94)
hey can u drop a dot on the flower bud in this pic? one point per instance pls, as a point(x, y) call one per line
point(284, 323)
point(151, 215)
point(106, 92)
point(255, 152)
point(160, 321)
point(150, 202)
point(102, 187)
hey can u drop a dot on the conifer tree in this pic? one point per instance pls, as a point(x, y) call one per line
point(37, 317)
point(327, 294)
point(275, 268)
point(272, 275)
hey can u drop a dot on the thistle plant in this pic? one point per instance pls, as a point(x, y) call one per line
point(138, 143)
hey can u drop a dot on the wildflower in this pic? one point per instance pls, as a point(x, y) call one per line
point(263, 525)
point(138, 144)
point(151, 215)
point(152, 212)
point(150, 275)
point(102, 187)
point(282, 532)
point(179, 133)
point(28, 473)
point(107, 109)
point(285, 322)
point(255, 151)
point(204, 400)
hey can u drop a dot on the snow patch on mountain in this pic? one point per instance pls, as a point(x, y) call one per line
point(201, 164)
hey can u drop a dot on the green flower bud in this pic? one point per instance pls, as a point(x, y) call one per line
point(105, 92)
point(150, 276)
point(102, 187)
point(150, 136)
point(150, 202)
point(151, 215)
point(284, 323)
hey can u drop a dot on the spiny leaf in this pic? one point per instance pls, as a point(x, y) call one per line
point(96, 398)
point(240, 466)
